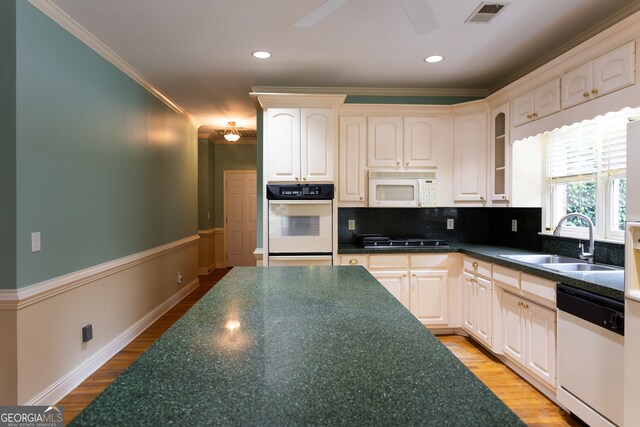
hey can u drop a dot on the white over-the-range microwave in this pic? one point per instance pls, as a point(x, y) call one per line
point(402, 189)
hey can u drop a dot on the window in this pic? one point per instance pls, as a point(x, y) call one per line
point(586, 173)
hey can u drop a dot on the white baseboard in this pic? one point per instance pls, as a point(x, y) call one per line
point(76, 376)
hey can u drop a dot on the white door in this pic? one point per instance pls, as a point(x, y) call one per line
point(470, 154)
point(523, 108)
point(540, 342)
point(396, 283)
point(547, 98)
point(384, 142)
point(513, 328)
point(419, 138)
point(240, 213)
point(352, 160)
point(317, 144)
point(483, 310)
point(469, 302)
point(283, 142)
point(577, 85)
point(614, 70)
point(428, 293)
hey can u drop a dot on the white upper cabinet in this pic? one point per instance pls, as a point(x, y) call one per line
point(352, 160)
point(300, 144)
point(500, 156)
point(396, 142)
point(607, 73)
point(470, 157)
point(284, 144)
point(419, 136)
point(317, 144)
point(542, 101)
point(384, 142)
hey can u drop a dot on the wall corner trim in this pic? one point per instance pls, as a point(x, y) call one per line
point(73, 378)
point(17, 299)
point(68, 23)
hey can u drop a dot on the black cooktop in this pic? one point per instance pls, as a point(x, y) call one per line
point(377, 241)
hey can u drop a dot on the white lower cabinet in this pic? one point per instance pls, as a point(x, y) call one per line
point(529, 336)
point(396, 282)
point(476, 293)
point(428, 296)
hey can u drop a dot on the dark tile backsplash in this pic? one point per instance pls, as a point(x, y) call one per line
point(471, 225)
point(605, 253)
point(490, 226)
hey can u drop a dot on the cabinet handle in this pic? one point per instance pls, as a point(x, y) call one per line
point(594, 91)
point(353, 261)
point(474, 265)
point(586, 94)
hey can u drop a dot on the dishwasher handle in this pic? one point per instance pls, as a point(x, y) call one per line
point(597, 309)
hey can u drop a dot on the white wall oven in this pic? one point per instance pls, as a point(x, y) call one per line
point(300, 224)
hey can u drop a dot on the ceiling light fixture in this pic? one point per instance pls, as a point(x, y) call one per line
point(434, 58)
point(231, 133)
point(261, 54)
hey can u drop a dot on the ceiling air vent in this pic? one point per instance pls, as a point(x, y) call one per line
point(485, 12)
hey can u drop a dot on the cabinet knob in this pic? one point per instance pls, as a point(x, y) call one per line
point(594, 91)
point(361, 198)
point(529, 116)
point(397, 163)
point(407, 164)
point(535, 115)
point(474, 265)
point(526, 306)
point(297, 179)
point(482, 198)
point(353, 261)
point(519, 303)
point(414, 274)
point(304, 179)
point(504, 197)
point(586, 94)
point(404, 275)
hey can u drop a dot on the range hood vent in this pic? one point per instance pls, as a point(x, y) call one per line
point(485, 12)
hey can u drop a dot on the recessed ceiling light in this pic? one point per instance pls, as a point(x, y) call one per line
point(261, 54)
point(434, 58)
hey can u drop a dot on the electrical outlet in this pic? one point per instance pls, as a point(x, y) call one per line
point(180, 278)
point(87, 332)
point(449, 223)
point(352, 224)
point(514, 225)
point(35, 242)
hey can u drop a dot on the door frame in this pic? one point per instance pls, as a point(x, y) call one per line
point(225, 174)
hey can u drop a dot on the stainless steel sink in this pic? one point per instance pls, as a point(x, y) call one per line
point(538, 259)
point(580, 267)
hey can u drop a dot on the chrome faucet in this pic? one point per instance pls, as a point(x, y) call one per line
point(588, 256)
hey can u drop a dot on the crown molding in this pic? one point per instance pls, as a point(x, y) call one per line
point(295, 99)
point(65, 21)
point(370, 91)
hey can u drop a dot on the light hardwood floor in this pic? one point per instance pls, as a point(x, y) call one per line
point(530, 405)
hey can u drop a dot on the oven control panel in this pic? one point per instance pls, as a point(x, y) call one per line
point(300, 191)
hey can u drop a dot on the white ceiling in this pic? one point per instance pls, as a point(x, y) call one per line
point(198, 52)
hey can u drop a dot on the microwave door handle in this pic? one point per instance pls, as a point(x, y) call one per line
point(419, 195)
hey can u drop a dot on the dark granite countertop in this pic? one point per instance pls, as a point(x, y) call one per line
point(292, 346)
point(610, 284)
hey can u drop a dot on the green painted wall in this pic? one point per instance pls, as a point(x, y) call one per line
point(7, 144)
point(104, 169)
point(205, 184)
point(229, 157)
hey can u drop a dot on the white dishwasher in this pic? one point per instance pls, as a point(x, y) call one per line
point(591, 356)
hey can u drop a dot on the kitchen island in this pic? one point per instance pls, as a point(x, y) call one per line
point(297, 345)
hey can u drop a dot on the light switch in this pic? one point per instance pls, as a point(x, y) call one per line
point(449, 223)
point(514, 225)
point(352, 224)
point(35, 242)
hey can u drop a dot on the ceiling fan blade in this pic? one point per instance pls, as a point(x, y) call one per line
point(319, 14)
point(421, 15)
